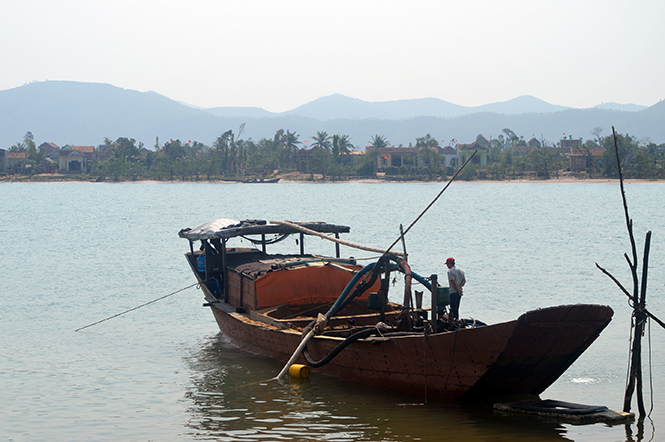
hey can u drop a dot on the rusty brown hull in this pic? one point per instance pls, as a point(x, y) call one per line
point(262, 302)
point(524, 356)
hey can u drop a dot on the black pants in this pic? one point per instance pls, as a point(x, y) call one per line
point(455, 299)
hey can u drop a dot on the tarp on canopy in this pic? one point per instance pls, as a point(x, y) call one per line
point(225, 228)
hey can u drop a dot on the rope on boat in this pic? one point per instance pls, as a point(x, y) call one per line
point(137, 307)
point(401, 236)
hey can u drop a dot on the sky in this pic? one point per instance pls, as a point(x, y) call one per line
point(280, 54)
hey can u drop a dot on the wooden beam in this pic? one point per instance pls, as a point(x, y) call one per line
point(304, 230)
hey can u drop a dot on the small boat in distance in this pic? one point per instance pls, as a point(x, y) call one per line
point(267, 303)
point(261, 180)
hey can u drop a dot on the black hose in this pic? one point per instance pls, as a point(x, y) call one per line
point(341, 346)
point(361, 288)
point(362, 334)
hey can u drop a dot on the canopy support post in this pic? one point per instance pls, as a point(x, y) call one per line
point(435, 298)
point(337, 253)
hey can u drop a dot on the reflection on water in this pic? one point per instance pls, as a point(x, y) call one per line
point(231, 400)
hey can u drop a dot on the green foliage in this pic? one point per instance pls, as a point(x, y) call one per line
point(18, 147)
point(366, 166)
point(125, 149)
point(468, 173)
point(626, 145)
point(322, 140)
point(113, 167)
point(345, 145)
point(644, 165)
point(379, 141)
point(544, 161)
point(428, 156)
point(427, 141)
point(174, 150)
point(232, 157)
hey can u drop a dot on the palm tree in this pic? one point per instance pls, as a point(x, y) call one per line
point(379, 141)
point(344, 144)
point(427, 141)
point(322, 140)
point(290, 140)
point(287, 155)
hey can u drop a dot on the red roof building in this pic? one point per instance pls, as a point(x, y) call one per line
point(76, 159)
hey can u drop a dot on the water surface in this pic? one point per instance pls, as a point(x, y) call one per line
point(74, 253)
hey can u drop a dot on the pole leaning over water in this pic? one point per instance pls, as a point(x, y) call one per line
point(401, 236)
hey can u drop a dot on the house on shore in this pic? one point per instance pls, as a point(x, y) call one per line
point(567, 145)
point(49, 150)
point(481, 145)
point(451, 155)
point(533, 143)
point(583, 159)
point(413, 156)
point(305, 158)
point(76, 159)
point(395, 156)
point(15, 161)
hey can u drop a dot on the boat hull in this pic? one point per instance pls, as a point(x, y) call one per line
point(263, 301)
point(520, 357)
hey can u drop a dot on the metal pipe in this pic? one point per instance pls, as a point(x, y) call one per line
point(435, 299)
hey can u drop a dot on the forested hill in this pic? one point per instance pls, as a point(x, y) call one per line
point(85, 113)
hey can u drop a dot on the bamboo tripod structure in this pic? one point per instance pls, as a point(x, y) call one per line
point(637, 301)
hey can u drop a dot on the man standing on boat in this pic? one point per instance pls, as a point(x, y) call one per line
point(456, 281)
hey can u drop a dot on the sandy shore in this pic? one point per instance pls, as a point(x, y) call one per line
point(295, 178)
point(458, 181)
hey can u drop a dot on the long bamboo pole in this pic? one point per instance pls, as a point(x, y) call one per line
point(361, 247)
point(295, 355)
point(641, 317)
point(330, 238)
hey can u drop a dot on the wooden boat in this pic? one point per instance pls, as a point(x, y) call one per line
point(261, 180)
point(265, 303)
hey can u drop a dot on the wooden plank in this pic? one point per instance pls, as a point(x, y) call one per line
point(262, 316)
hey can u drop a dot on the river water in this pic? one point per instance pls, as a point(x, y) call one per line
point(75, 253)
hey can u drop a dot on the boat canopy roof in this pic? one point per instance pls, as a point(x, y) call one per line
point(228, 228)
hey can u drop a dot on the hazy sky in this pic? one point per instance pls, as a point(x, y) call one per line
point(280, 54)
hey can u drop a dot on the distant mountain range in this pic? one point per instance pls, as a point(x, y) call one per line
point(338, 106)
point(85, 113)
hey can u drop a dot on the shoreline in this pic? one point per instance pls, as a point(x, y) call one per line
point(288, 178)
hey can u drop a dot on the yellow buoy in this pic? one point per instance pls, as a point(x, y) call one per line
point(299, 371)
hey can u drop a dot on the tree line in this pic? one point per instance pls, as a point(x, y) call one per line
point(230, 157)
point(640, 159)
